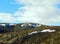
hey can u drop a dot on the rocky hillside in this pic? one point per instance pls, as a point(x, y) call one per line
point(42, 38)
point(7, 27)
point(21, 36)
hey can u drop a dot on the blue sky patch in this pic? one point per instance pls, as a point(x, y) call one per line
point(6, 6)
point(58, 6)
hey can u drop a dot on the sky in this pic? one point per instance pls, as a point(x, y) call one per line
point(37, 11)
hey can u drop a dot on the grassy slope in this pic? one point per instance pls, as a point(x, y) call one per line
point(44, 38)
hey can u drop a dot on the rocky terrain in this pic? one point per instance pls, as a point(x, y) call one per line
point(29, 34)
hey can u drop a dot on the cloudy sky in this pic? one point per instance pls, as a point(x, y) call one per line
point(37, 11)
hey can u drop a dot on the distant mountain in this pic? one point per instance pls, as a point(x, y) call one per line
point(7, 27)
point(10, 27)
point(28, 25)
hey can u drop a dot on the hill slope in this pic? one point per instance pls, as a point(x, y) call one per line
point(19, 36)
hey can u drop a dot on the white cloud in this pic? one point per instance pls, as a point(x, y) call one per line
point(6, 18)
point(39, 11)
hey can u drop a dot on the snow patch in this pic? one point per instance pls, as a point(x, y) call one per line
point(48, 30)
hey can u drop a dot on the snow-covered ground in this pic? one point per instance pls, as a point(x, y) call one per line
point(45, 30)
point(33, 32)
point(2, 24)
point(48, 30)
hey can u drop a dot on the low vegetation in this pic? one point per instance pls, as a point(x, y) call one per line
point(17, 35)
